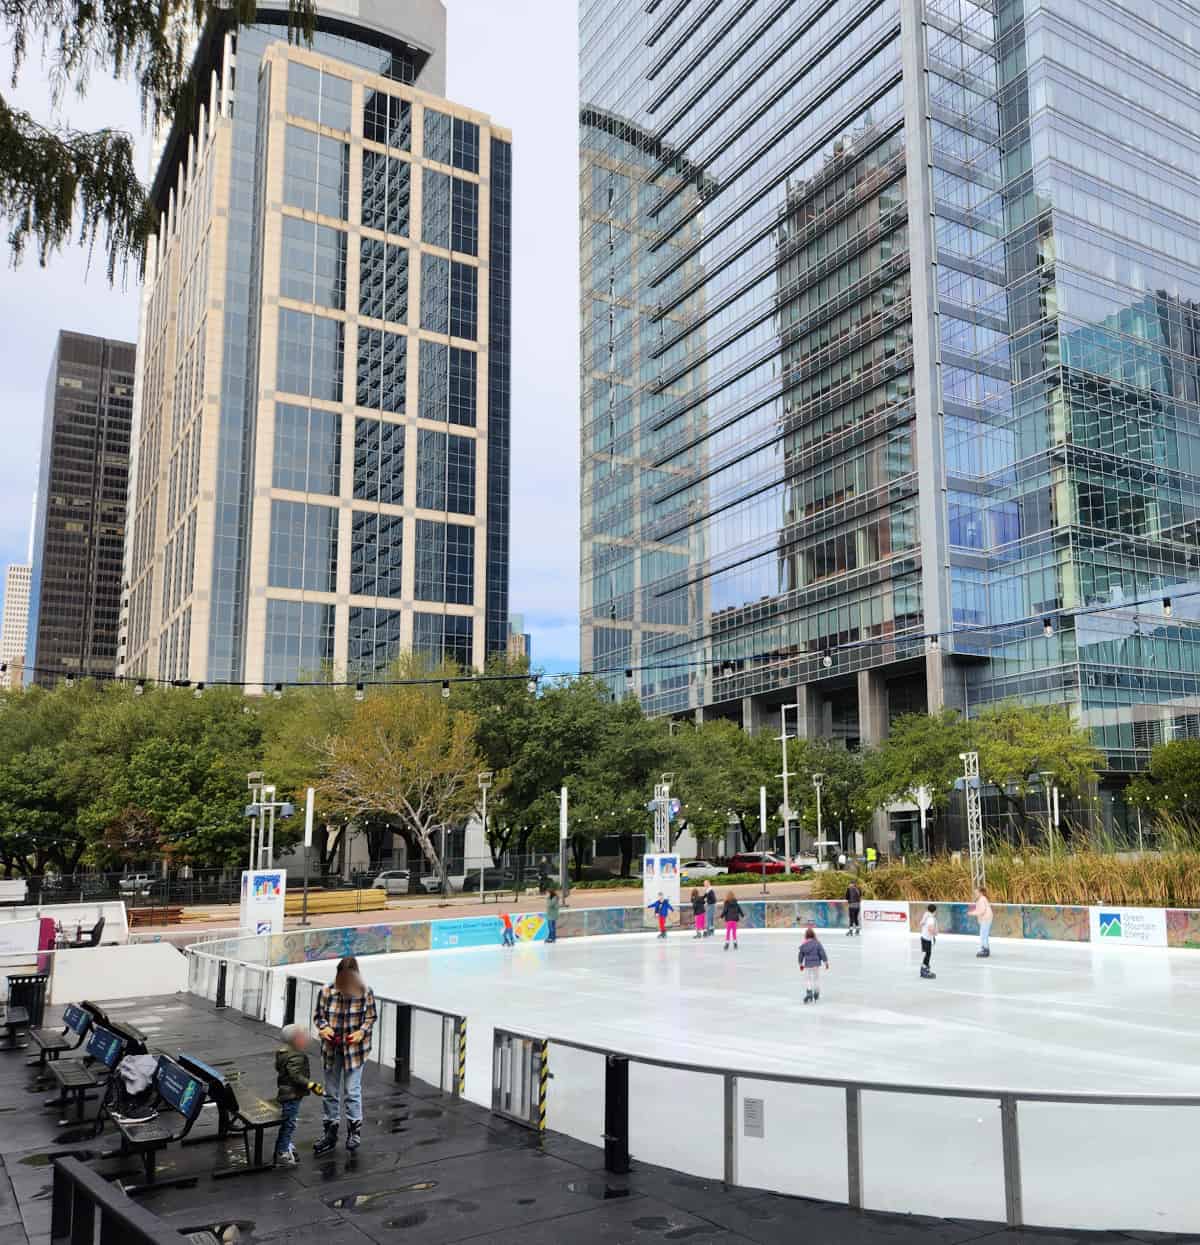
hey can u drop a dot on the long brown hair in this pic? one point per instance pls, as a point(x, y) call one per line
point(349, 979)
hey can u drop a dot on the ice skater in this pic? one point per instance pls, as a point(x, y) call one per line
point(506, 931)
point(812, 956)
point(929, 933)
point(854, 908)
point(697, 913)
point(553, 904)
point(663, 908)
point(710, 911)
point(982, 912)
point(731, 914)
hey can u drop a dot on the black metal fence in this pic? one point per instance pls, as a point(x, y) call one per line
point(86, 1208)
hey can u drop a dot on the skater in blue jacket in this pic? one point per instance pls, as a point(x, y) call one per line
point(663, 907)
point(812, 956)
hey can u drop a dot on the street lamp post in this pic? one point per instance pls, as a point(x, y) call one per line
point(787, 806)
point(1047, 776)
point(485, 781)
point(818, 780)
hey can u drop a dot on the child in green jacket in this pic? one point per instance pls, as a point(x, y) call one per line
point(295, 1083)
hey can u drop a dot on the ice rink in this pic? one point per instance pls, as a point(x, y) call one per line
point(1057, 1017)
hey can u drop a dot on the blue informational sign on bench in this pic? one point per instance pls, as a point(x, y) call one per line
point(175, 1087)
point(105, 1046)
point(76, 1019)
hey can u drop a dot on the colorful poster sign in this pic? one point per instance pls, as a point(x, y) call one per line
point(263, 894)
point(1129, 927)
point(660, 872)
point(885, 915)
point(485, 931)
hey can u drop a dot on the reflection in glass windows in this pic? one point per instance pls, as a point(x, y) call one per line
point(387, 119)
point(463, 365)
point(316, 172)
point(445, 472)
point(379, 461)
point(464, 298)
point(435, 293)
point(383, 281)
point(374, 641)
point(435, 208)
point(317, 96)
point(308, 450)
point(464, 217)
point(445, 562)
point(466, 145)
point(313, 263)
point(447, 383)
point(376, 554)
point(445, 637)
point(382, 370)
point(310, 355)
point(433, 381)
point(303, 551)
point(386, 192)
point(437, 136)
point(299, 641)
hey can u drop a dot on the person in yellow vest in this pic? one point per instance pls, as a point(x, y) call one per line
point(872, 857)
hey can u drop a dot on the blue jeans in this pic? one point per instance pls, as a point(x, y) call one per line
point(507, 939)
point(985, 934)
point(287, 1131)
point(551, 931)
point(343, 1086)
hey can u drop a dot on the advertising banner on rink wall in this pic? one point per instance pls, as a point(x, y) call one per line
point(889, 916)
point(661, 873)
point(1129, 927)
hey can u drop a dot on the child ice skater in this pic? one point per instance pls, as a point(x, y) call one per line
point(506, 933)
point(663, 908)
point(812, 956)
point(982, 912)
point(294, 1083)
point(929, 933)
point(731, 914)
point(697, 913)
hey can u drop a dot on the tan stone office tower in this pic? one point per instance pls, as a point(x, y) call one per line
point(322, 440)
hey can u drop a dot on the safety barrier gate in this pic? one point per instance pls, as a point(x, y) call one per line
point(520, 1071)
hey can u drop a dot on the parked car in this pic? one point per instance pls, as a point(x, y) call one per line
point(700, 869)
point(493, 880)
point(757, 862)
point(394, 881)
point(136, 884)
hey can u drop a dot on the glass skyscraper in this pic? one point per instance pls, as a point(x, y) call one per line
point(322, 446)
point(890, 337)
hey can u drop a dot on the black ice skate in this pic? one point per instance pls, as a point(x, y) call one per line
point(328, 1141)
point(928, 973)
point(808, 995)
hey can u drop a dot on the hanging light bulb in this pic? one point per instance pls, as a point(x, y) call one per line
point(445, 689)
point(70, 680)
point(1166, 607)
point(277, 691)
point(139, 687)
point(827, 661)
point(359, 693)
point(199, 691)
point(1047, 627)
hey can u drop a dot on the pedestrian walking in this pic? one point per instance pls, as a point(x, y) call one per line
point(345, 1019)
point(731, 914)
point(710, 911)
point(854, 908)
point(982, 912)
point(553, 904)
point(929, 933)
point(506, 931)
point(663, 908)
point(812, 956)
point(697, 913)
point(294, 1083)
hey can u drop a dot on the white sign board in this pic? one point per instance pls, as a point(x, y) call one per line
point(1129, 927)
point(661, 873)
point(19, 937)
point(263, 892)
point(889, 916)
point(13, 890)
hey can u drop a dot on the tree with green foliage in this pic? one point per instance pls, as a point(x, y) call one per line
point(844, 794)
point(1171, 784)
point(56, 183)
point(921, 750)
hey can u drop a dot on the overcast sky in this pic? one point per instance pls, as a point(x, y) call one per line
point(514, 59)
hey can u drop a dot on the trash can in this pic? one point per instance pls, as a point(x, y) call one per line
point(28, 990)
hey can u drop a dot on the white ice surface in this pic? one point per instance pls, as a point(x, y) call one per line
point(1035, 1016)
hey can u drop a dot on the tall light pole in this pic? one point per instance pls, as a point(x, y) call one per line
point(924, 799)
point(970, 762)
point(1047, 776)
point(818, 781)
point(485, 781)
point(787, 807)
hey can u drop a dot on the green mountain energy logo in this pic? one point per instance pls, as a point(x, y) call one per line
point(1110, 925)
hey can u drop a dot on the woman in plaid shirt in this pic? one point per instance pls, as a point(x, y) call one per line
point(345, 1018)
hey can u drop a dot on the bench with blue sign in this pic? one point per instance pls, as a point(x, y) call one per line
point(77, 1020)
point(104, 1050)
point(179, 1098)
point(235, 1120)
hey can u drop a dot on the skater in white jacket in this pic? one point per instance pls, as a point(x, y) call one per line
point(929, 933)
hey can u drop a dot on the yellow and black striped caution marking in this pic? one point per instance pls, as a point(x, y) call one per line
point(544, 1077)
point(462, 1056)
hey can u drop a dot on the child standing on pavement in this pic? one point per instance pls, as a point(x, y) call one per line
point(812, 956)
point(663, 908)
point(731, 914)
point(697, 913)
point(293, 1078)
point(929, 933)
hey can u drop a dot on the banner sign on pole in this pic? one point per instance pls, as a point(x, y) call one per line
point(308, 818)
point(660, 872)
point(263, 893)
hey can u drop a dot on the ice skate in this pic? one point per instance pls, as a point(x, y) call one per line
point(816, 995)
point(928, 973)
point(808, 996)
point(353, 1134)
point(726, 946)
point(328, 1141)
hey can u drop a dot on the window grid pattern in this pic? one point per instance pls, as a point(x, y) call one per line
point(382, 370)
point(303, 550)
point(383, 281)
point(308, 450)
point(374, 642)
point(379, 461)
point(386, 193)
point(299, 640)
point(376, 554)
point(445, 637)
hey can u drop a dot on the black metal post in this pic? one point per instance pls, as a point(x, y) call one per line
point(222, 976)
point(403, 1069)
point(616, 1114)
point(289, 1001)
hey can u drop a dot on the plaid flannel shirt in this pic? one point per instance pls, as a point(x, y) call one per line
point(344, 1014)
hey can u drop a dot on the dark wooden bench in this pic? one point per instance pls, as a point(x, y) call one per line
point(235, 1120)
point(179, 1099)
point(162, 915)
point(75, 1077)
point(77, 1021)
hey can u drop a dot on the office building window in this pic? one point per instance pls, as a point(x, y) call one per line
point(299, 641)
point(313, 263)
point(463, 365)
point(437, 136)
point(308, 450)
point(433, 381)
point(303, 551)
point(445, 472)
point(320, 97)
point(464, 217)
point(386, 192)
point(447, 383)
point(316, 172)
point(435, 293)
point(383, 281)
point(466, 145)
point(435, 208)
point(445, 637)
point(382, 370)
point(464, 297)
point(310, 359)
point(445, 562)
point(387, 120)
point(376, 554)
point(379, 461)
point(374, 642)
